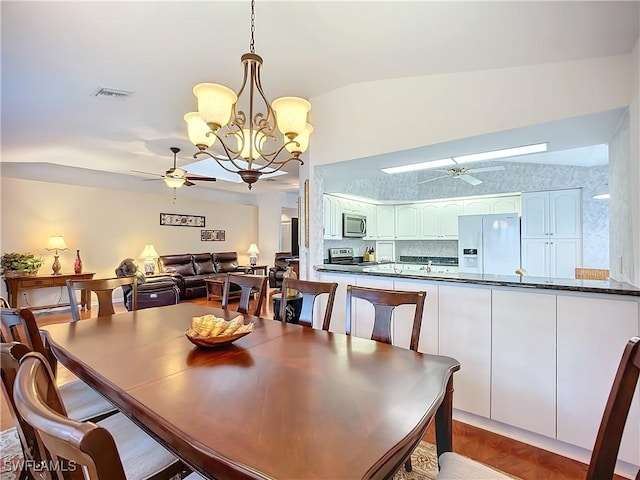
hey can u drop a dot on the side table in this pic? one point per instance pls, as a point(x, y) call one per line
point(16, 285)
point(214, 287)
point(293, 310)
point(253, 269)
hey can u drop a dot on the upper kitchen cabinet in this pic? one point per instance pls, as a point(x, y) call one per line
point(407, 221)
point(489, 205)
point(439, 220)
point(371, 212)
point(386, 222)
point(332, 217)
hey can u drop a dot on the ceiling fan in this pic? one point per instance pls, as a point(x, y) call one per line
point(464, 174)
point(176, 177)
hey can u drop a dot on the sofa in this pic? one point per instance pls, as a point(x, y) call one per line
point(189, 270)
point(155, 291)
point(280, 263)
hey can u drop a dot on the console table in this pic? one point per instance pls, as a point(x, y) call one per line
point(16, 285)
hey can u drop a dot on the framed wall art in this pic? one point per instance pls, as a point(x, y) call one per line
point(176, 220)
point(212, 235)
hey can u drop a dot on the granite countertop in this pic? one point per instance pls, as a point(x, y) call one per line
point(569, 284)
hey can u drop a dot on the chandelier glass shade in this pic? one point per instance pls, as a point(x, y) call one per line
point(251, 120)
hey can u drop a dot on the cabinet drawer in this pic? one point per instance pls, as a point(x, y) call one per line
point(37, 282)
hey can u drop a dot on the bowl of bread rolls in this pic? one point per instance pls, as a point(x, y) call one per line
point(211, 331)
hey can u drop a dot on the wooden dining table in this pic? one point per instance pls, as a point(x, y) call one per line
point(284, 402)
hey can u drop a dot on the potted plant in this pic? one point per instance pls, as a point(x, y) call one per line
point(17, 264)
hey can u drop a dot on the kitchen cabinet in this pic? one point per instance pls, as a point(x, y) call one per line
point(404, 316)
point(465, 334)
point(407, 218)
point(439, 220)
point(332, 217)
point(552, 232)
point(523, 365)
point(592, 333)
point(489, 205)
point(386, 221)
point(340, 300)
point(370, 211)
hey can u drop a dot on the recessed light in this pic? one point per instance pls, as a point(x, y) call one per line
point(419, 166)
point(504, 153)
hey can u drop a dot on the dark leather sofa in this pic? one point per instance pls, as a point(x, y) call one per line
point(189, 270)
point(155, 291)
point(280, 264)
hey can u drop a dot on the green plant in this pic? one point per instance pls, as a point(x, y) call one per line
point(23, 262)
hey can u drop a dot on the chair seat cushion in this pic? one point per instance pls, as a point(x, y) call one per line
point(140, 454)
point(83, 402)
point(455, 466)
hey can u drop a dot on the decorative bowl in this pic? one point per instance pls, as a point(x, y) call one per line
point(214, 342)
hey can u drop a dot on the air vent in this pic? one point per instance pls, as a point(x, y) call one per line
point(111, 93)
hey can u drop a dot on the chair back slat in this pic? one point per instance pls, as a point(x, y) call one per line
point(20, 325)
point(103, 289)
point(70, 443)
point(384, 303)
point(616, 411)
point(249, 285)
point(309, 291)
point(33, 451)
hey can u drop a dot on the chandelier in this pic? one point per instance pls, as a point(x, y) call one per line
point(250, 125)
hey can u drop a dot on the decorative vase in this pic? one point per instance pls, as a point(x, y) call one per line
point(290, 273)
point(77, 266)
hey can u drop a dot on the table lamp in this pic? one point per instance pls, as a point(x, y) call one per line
point(56, 243)
point(149, 255)
point(253, 254)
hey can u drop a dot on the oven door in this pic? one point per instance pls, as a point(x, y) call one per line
point(354, 225)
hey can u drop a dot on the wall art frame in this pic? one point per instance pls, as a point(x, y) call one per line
point(212, 235)
point(178, 220)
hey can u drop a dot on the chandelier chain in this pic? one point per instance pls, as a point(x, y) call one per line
point(252, 47)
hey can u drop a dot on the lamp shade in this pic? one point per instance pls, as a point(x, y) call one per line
point(245, 144)
point(149, 251)
point(291, 114)
point(215, 103)
point(302, 139)
point(197, 130)
point(253, 249)
point(56, 242)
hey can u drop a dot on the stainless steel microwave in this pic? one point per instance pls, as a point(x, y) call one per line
point(354, 225)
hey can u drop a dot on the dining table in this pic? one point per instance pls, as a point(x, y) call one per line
point(283, 402)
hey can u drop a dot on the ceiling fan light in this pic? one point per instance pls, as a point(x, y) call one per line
point(250, 147)
point(291, 114)
point(215, 103)
point(301, 142)
point(197, 130)
point(174, 182)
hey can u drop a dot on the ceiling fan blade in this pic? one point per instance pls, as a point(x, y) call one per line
point(152, 179)
point(487, 169)
point(470, 180)
point(201, 179)
point(147, 173)
point(432, 179)
point(187, 183)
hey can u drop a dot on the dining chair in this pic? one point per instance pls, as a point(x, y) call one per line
point(607, 444)
point(103, 288)
point(81, 401)
point(249, 285)
point(384, 303)
point(111, 449)
point(309, 291)
point(4, 303)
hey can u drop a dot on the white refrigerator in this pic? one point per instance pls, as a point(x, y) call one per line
point(489, 244)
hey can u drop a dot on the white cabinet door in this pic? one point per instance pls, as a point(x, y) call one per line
point(535, 256)
point(386, 222)
point(430, 220)
point(338, 313)
point(592, 333)
point(429, 328)
point(565, 256)
point(449, 212)
point(523, 378)
point(372, 222)
point(465, 334)
point(362, 312)
point(509, 204)
point(327, 225)
point(535, 214)
point(407, 222)
point(477, 206)
point(565, 213)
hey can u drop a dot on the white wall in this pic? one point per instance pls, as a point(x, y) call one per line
point(108, 226)
point(634, 187)
point(387, 116)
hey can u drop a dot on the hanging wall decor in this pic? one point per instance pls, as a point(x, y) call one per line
point(176, 220)
point(212, 235)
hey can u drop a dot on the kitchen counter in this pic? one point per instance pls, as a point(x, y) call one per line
point(569, 284)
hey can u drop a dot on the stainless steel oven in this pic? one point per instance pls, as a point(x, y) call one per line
point(354, 225)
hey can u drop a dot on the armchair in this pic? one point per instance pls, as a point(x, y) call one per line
point(280, 264)
point(155, 291)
